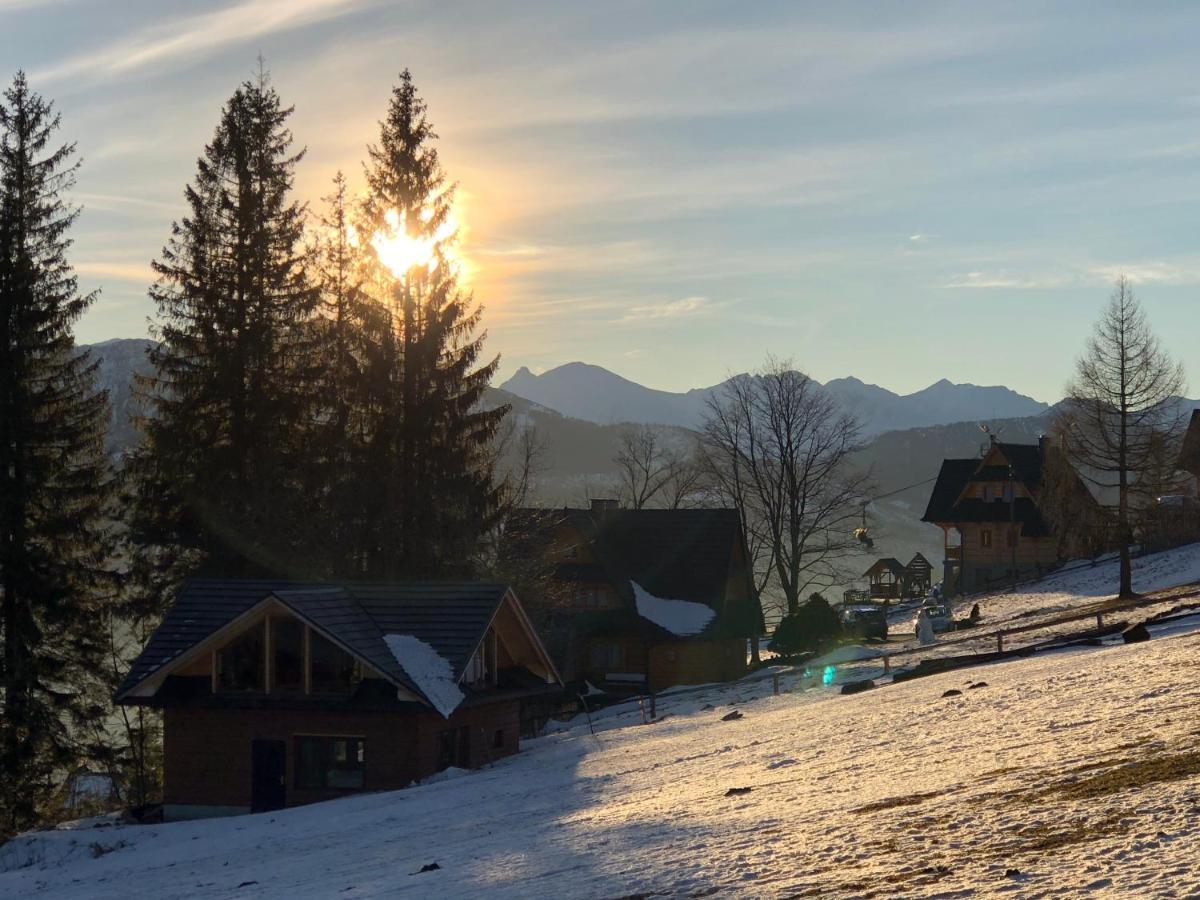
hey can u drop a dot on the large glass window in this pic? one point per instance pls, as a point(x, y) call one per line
point(287, 664)
point(241, 664)
point(334, 671)
point(330, 762)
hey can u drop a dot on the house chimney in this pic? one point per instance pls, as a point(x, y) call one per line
point(601, 507)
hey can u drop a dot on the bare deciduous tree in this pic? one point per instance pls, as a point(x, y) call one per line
point(1122, 400)
point(651, 472)
point(780, 449)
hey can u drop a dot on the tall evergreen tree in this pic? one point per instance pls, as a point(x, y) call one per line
point(55, 580)
point(216, 489)
point(349, 331)
point(430, 461)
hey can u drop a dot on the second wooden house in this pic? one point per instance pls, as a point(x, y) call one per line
point(644, 599)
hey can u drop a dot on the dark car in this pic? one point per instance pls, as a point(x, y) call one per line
point(865, 620)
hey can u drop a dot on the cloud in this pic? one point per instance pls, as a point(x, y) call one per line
point(186, 38)
point(119, 271)
point(1003, 279)
point(685, 307)
point(1151, 273)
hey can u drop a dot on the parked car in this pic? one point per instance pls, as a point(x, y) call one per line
point(865, 620)
point(940, 616)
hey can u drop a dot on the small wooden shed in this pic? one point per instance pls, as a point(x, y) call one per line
point(918, 577)
point(886, 579)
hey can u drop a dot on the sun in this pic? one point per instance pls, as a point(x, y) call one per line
point(403, 252)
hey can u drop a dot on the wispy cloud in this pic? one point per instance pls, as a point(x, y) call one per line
point(685, 307)
point(1003, 279)
point(1152, 273)
point(186, 38)
point(120, 271)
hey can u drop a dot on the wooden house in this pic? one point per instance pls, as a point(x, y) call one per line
point(885, 579)
point(646, 598)
point(276, 694)
point(991, 516)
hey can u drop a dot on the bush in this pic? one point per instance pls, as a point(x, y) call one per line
point(811, 628)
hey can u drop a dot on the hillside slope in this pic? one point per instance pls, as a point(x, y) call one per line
point(1067, 774)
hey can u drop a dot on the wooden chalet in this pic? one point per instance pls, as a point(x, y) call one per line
point(647, 598)
point(885, 579)
point(990, 514)
point(277, 694)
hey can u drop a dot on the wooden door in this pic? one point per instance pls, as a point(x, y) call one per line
point(268, 789)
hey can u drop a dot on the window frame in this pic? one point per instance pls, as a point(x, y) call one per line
point(325, 760)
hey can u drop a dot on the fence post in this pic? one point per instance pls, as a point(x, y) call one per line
point(1000, 642)
point(887, 664)
point(653, 708)
point(775, 683)
point(1099, 620)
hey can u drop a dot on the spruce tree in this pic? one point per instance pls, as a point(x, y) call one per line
point(349, 331)
point(216, 485)
point(55, 580)
point(429, 452)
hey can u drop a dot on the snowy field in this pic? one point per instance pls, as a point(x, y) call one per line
point(1078, 586)
point(1068, 774)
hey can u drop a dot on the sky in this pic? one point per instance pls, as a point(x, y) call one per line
point(675, 191)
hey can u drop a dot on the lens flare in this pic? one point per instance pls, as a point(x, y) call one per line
point(403, 252)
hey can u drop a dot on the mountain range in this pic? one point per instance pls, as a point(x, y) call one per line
point(595, 394)
point(578, 411)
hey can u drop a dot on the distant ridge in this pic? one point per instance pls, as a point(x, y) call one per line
point(593, 393)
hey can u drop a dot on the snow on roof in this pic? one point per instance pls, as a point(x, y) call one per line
point(430, 671)
point(680, 617)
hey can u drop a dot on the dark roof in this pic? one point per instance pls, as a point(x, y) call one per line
point(1027, 463)
point(678, 554)
point(450, 617)
point(919, 564)
point(1189, 453)
point(953, 476)
point(887, 564)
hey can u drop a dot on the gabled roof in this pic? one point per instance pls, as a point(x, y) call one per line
point(681, 554)
point(918, 564)
point(947, 503)
point(1189, 453)
point(451, 617)
point(887, 564)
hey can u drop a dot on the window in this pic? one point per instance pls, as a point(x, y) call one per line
point(987, 493)
point(498, 739)
point(330, 762)
point(1008, 492)
point(334, 671)
point(241, 662)
point(287, 663)
point(985, 538)
point(608, 656)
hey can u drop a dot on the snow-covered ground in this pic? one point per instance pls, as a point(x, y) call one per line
point(1079, 585)
point(1068, 774)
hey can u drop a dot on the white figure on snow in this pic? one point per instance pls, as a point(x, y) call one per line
point(924, 628)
